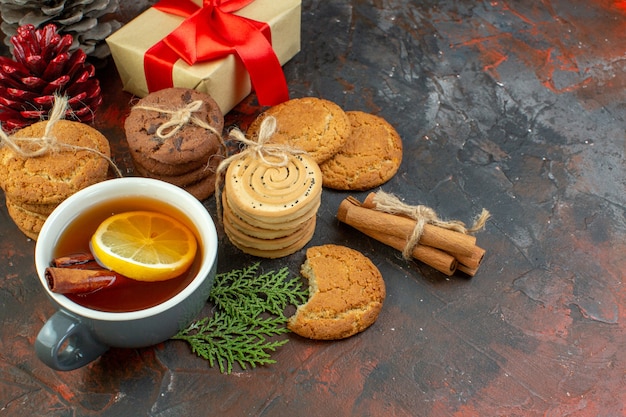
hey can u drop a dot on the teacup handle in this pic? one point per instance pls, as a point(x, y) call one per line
point(64, 343)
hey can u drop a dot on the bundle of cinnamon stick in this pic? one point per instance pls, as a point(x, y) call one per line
point(445, 246)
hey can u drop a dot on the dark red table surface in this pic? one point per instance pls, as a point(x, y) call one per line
point(517, 107)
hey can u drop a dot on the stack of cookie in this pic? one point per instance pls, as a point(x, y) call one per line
point(354, 150)
point(174, 135)
point(35, 185)
point(269, 210)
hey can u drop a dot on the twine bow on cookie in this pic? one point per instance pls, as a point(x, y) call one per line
point(179, 119)
point(48, 143)
point(274, 155)
point(423, 215)
point(34, 147)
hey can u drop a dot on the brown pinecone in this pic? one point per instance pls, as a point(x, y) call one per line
point(44, 66)
point(88, 21)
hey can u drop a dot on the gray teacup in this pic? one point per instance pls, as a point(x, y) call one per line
point(76, 335)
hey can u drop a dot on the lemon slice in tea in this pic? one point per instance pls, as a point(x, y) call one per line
point(144, 245)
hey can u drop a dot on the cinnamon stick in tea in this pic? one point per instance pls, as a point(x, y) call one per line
point(76, 281)
point(455, 243)
point(73, 260)
point(79, 273)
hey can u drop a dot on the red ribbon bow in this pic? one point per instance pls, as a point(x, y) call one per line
point(212, 32)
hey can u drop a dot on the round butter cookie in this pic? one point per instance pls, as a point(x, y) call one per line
point(272, 252)
point(51, 178)
point(190, 144)
point(370, 157)
point(250, 230)
point(273, 194)
point(317, 126)
point(270, 205)
point(346, 294)
point(268, 244)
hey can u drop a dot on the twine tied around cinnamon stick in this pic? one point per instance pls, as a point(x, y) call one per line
point(439, 246)
point(179, 118)
point(48, 143)
point(275, 155)
point(423, 215)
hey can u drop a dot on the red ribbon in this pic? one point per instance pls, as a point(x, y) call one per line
point(212, 32)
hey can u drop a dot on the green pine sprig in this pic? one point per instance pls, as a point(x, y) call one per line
point(249, 314)
point(268, 292)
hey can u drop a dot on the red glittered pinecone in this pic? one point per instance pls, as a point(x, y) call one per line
point(42, 67)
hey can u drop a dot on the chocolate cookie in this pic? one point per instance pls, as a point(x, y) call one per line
point(346, 294)
point(370, 157)
point(159, 168)
point(190, 143)
point(317, 126)
point(203, 188)
point(184, 179)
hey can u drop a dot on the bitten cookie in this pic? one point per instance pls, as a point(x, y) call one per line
point(346, 294)
point(317, 126)
point(371, 156)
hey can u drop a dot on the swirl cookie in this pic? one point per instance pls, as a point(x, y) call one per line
point(370, 157)
point(317, 126)
point(346, 294)
point(270, 210)
point(273, 194)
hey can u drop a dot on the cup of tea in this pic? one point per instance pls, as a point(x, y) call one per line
point(141, 314)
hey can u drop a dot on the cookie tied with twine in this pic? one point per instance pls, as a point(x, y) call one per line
point(179, 118)
point(270, 195)
point(48, 161)
point(175, 135)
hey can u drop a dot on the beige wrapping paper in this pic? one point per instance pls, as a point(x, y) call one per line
point(226, 80)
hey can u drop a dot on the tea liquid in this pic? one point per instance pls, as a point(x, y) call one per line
point(138, 295)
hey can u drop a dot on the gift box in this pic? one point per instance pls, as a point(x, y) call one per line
point(157, 35)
